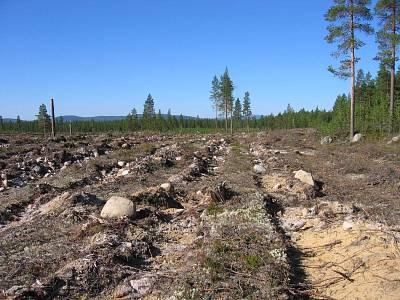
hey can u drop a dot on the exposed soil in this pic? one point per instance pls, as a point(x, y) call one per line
point(235, 224)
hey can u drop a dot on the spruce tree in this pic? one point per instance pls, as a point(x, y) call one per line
point(159, 120)
point(129, 120)
point(18, 123)
point(43, 118)
point(348, 17)
point(135, 119)
point(169, 119)
point(181, 122)
point(215, 96)
point(388, 12)
point(237, 111)
point(246, 109)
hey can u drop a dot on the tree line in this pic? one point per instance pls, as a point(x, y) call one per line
point(348, 20)
point(372, 104)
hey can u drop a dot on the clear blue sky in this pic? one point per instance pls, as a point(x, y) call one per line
point(102, 57)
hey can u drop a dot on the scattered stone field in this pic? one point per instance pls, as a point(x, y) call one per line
point(269, 215)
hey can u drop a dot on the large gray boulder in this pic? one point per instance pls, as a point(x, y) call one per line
point(117, 207)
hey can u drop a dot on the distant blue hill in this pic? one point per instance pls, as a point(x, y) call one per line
point(107, 118)
point(9, 120)
point(71, 118)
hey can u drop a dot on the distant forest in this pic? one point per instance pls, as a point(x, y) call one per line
point(372, 116)
point(372, 105)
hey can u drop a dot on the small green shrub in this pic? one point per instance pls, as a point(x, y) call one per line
point(220, 247)
point(213, 209)
point(253, 261)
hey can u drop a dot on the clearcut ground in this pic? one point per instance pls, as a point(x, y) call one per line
point(223, 231)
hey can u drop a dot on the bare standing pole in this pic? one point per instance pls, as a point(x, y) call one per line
point(53, 120)
point(70, 128)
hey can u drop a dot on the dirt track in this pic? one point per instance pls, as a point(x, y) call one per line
point(223, 232)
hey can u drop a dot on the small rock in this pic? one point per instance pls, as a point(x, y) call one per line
point(125, 146)
point(357, 138)
point(3, 176)
point(124, 172)
point(95, 153)
point(59, 202)
point(103, 172)
point(142, 286)
point(67, 163)
point(178, 158)
point(40, 170)
point(259, 169)
point(326, 140)
point(394, 140)
point(117, 207)
point(298, 225)
point(121, 163)
point(304, 176)
point(277, 187)
point(356, 176)
point(168, 187)
point(122, 291)
point(5, 183)
point(348, 225)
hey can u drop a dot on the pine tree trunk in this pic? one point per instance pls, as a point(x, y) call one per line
point(231, 123)
point(216, 117)
point(248, 128)
point(352, 100)
point(392, 71)
point(226, 115)
point(53, 120)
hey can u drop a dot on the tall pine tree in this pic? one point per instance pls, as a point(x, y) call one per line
point(215, 96)
point(348, 17)
point(388, 12)
point(149, 113)
point(226, 96)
